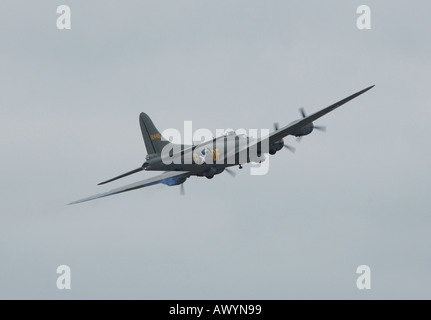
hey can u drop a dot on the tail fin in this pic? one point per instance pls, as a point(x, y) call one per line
point(152, 136)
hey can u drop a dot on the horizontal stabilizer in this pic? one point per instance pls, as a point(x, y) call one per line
point(123, 175)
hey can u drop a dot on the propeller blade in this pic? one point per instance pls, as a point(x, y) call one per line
point(291, 149)
point(232, 173)
point(182, 192)
point(298, 139)
point(320, 128)
point(275, 126)
point(302, 111)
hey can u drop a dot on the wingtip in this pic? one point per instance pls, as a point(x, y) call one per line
point(75, 202)
point(79, 201)
point(366, 89)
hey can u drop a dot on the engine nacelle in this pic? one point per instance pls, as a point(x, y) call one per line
point(276, 146)
point(303, 131)
point(211, 172)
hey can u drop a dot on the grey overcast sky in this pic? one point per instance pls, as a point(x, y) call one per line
point(357, 194)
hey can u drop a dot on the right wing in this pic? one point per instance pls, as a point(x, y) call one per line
point(161, 178)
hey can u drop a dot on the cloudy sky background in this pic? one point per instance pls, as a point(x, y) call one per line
point(357, 194)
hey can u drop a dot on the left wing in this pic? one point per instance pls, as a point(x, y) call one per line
point(161, 178)
point(292, 127)
point(287, 130)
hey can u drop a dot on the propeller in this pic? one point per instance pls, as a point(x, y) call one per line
point(232, 173)
point(302, 111)
point(303, 114)
point(290, 148)
point(320, 128)
point(182, 191)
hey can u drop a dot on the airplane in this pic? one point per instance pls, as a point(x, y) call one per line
point(207, 159)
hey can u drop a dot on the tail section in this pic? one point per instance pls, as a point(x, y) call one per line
point(152, 136)
point(153, 143)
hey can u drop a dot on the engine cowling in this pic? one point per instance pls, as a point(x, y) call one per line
point(303, 131)
point(276, 146)
point(211, 172)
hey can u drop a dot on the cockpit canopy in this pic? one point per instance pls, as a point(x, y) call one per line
point(229, 132)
